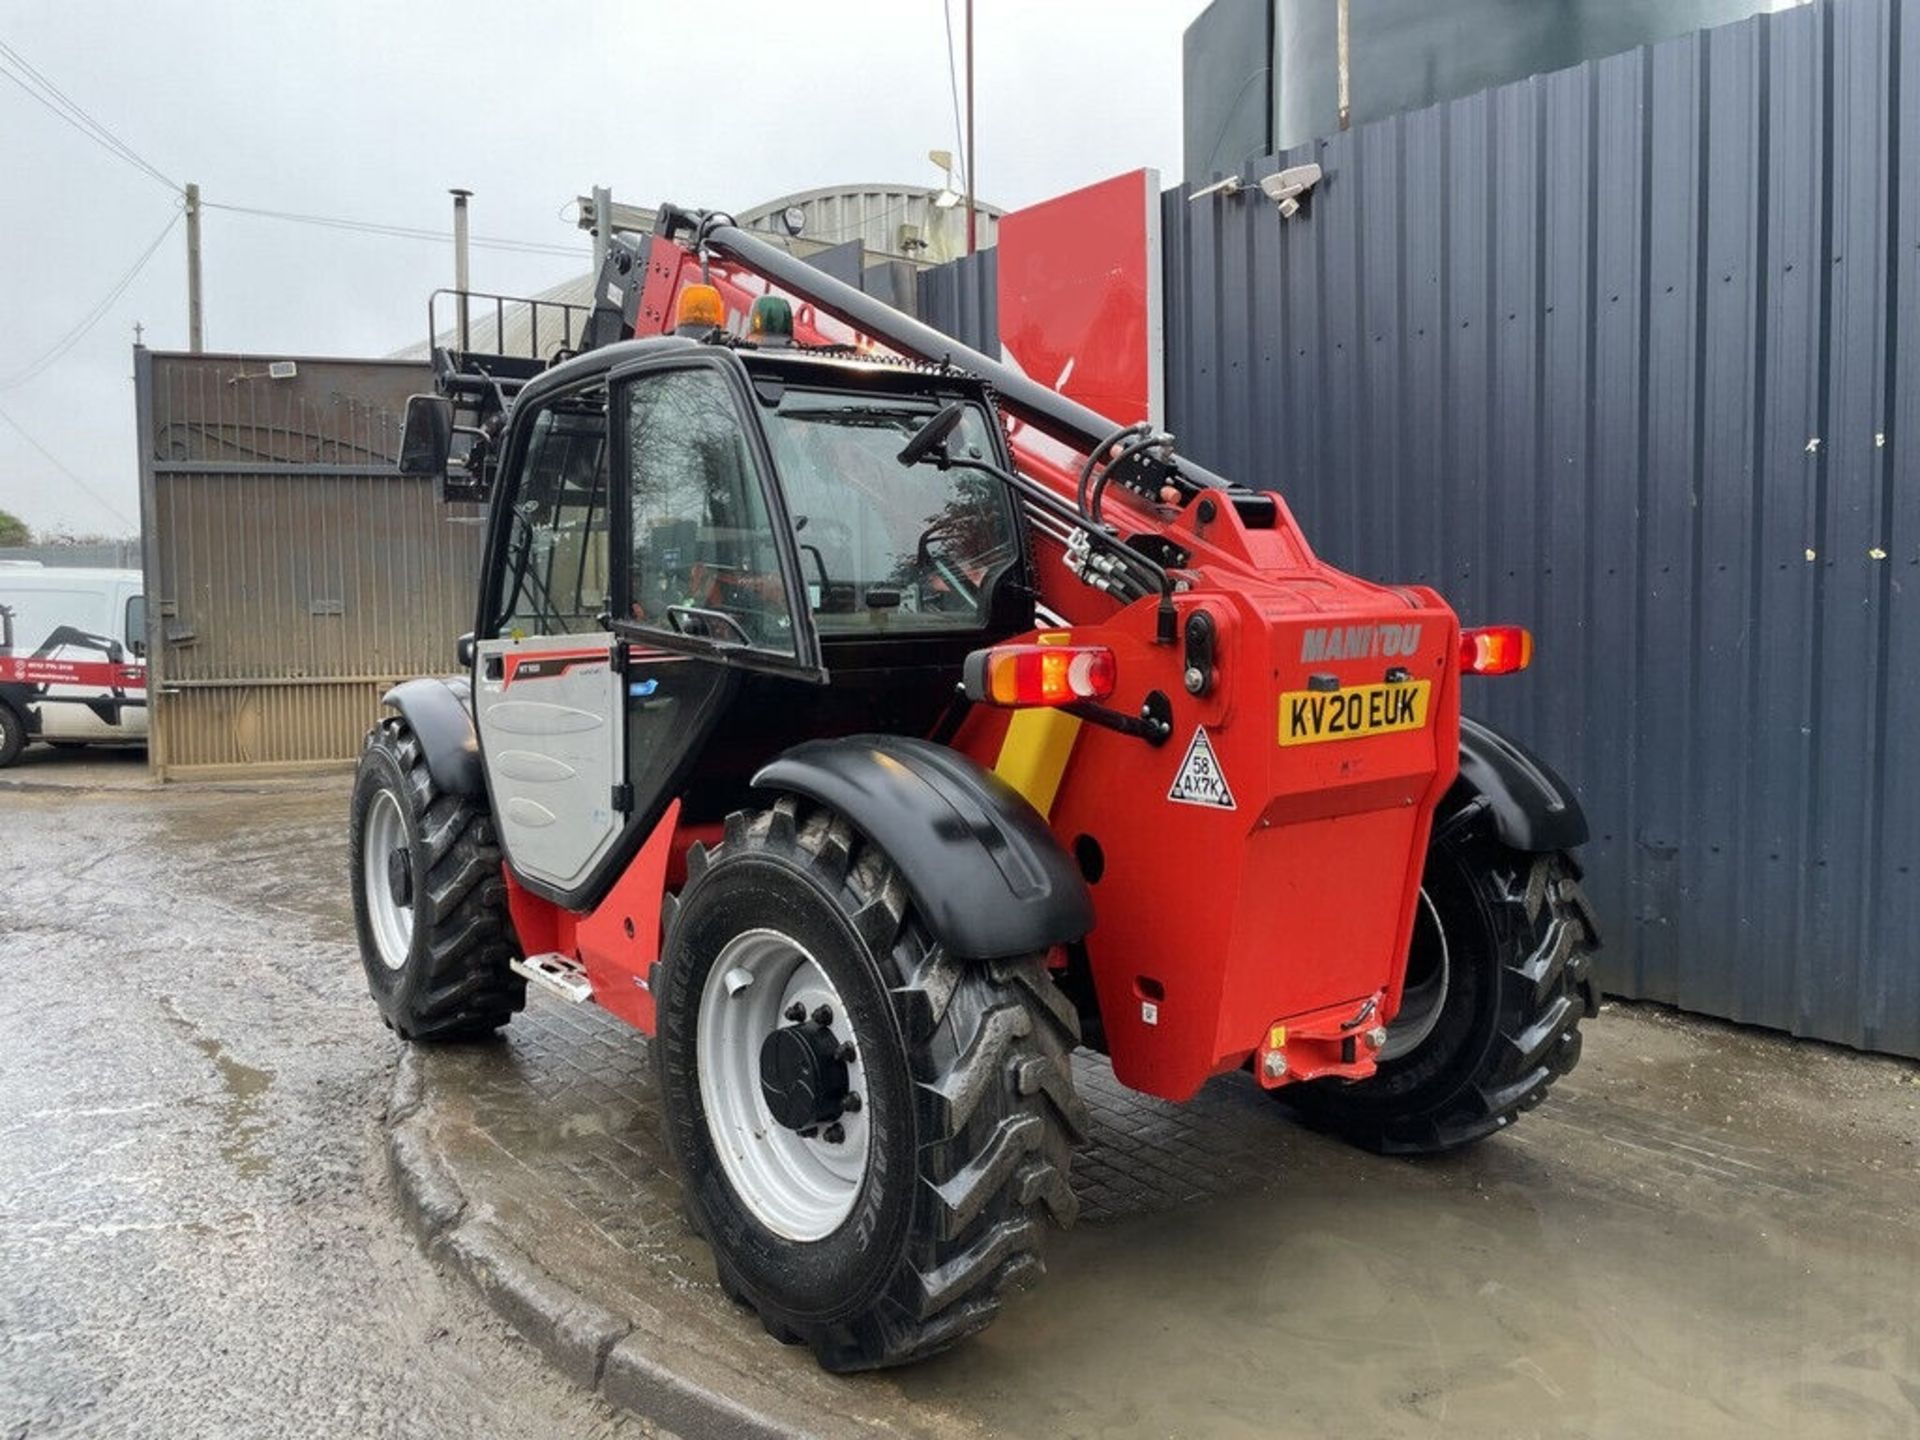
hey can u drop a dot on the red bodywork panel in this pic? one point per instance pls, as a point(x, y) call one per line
point(619, 939)
point(1283, 922)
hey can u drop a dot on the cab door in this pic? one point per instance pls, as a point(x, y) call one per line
point(548, 701)
point(643, 560)
point(710, 586)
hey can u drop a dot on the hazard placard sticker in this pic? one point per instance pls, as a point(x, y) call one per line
point(1200, 780)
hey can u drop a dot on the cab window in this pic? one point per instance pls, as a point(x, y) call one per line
point(555, 579)
point(705, 561)
point(136, 629)
point(886, 547)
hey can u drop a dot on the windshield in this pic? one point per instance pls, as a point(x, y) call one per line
point(885, 546)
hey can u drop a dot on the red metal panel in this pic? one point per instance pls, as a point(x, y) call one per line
point(1079, 294)
point(619, 940)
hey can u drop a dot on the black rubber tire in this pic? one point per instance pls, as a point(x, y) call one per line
point(1521, 938)
point(970, 1095)
point(13, 734)
point(455, 984)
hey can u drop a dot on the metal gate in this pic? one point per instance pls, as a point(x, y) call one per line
point(293, 575)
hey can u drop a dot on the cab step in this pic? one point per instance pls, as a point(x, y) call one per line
point(557, 974)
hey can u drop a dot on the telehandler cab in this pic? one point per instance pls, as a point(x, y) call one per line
point(870, 726)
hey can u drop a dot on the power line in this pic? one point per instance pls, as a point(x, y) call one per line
point(39, 88)
point(86, 322)
point(17, 68)
point(54, 460)
point(403, 232)
point(93, 317)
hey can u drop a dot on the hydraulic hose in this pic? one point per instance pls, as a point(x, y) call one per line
point(1097, 493)
point(1093, 462)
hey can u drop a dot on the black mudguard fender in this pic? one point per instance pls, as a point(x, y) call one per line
point(985, 873)
point(1533, 809)
point(440, 713)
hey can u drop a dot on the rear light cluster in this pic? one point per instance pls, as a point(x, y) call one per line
point(1495, 650)
point(1018, 675)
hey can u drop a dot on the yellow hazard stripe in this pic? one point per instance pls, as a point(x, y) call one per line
point(1033, 757)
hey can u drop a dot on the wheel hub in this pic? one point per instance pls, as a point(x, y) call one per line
point(802, 1075)
point(400, 877)
point(1429, 975)
point(782, 1077)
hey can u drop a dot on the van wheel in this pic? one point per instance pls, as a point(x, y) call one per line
point(13, 734)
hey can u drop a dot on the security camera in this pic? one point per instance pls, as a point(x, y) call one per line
point(1286, 187)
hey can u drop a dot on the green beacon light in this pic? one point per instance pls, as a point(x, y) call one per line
point(770, 322)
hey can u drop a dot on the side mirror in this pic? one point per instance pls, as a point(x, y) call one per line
point(463, 651)
point(932, 435)
point(427, 441)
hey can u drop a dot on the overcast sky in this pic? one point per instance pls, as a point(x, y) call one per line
point(371, 111)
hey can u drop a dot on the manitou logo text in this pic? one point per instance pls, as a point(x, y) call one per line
point(1358, 642)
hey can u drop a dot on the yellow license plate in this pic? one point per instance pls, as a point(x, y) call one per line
point(1308, 717)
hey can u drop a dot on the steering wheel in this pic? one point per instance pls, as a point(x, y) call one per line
point(936, 589)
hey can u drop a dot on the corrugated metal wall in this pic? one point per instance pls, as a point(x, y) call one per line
point(293, 574)
point(960, 299)
point(1629, 353)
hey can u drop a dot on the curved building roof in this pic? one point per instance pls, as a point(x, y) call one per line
point(901, 221)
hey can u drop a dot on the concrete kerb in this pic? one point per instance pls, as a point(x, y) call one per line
point(92, 781)
point(639, 1366)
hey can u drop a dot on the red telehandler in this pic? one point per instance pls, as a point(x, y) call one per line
point(869, 726)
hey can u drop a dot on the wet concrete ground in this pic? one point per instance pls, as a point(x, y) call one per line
point(1705, 1231)
point(196, 1232)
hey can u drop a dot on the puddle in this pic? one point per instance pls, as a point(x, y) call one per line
point(241, 1122)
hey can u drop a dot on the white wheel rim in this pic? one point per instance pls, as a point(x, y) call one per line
point(391, 922)
point(1421, 1004)
point(800, 1188)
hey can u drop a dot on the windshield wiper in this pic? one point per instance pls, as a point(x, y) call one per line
point(861, 415)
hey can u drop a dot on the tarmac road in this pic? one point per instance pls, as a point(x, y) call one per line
point(1706, 1231)
point(196, 1237)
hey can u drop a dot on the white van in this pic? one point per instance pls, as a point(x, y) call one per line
point(73, 645)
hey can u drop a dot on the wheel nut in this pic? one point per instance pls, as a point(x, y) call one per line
point(1274, 1065)
point(850, 1104)
point(822, 1016)
point(848, 1054)
point(834, 1133)
point(796, 1012)
point(1376, 1038)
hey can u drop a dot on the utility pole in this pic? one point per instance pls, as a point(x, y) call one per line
point(970, 215)
point(193, 269)
point(602, 225)
point(460, 198)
